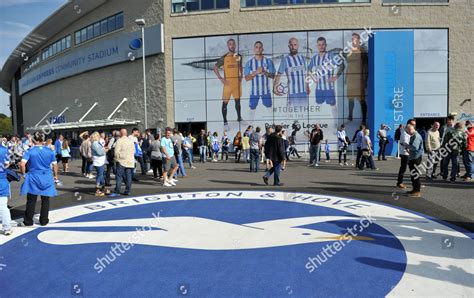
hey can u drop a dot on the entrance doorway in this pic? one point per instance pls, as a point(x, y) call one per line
point(194, 128)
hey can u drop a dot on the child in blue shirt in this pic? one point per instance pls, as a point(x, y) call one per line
point(327, 150)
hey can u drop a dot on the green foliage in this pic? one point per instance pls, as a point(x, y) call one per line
point(6, 127)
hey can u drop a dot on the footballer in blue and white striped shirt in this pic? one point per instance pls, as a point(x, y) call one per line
point(259, 69)
point(324, 71)
point(294, 66)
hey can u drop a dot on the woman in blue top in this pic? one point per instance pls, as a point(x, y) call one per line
point(4, 192)
point(65, 155)
point(39, 180)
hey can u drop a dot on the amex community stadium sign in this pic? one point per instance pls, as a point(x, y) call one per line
point(237, 243)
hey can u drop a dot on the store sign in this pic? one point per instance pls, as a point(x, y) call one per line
point(121, 47)
point(391, 81)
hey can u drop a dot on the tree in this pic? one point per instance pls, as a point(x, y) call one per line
point(6, 127)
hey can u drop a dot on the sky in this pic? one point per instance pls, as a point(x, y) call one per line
point(17, 19)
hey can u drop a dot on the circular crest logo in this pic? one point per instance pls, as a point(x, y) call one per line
point(238, 243)
point(135, 44)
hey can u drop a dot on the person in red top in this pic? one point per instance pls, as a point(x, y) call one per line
point(469, 152)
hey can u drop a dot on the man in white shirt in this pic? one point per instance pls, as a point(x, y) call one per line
point(342, 145)
point(404, 141)
point(433, 143)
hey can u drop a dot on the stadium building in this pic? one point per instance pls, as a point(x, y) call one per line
point(225, 64)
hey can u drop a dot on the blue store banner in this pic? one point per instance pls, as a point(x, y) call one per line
point(391, 83)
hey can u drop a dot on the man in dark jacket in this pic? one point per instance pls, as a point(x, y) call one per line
point(275, 152)
point(202, 144)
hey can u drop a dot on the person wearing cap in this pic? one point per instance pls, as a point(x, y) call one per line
point(39, 181)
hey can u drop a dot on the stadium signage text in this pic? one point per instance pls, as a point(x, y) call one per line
point(95, 55)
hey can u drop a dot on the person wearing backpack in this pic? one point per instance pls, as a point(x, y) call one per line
point(455, 142)
point(111, 156)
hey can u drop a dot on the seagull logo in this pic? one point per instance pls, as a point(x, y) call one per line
point(198, 233)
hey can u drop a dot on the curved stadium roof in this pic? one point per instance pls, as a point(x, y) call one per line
point(67, 14)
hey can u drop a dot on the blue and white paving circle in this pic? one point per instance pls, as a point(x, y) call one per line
point(235, 244)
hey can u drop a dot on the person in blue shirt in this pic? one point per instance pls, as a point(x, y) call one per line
point(327, 150)
point(39, 180)
point(4, 192)
point(170, 166)
point(188, 149)
point(58, 146)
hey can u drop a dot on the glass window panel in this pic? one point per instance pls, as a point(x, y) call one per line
point(119, 20)
point(90, 32)
point(78, 37)
point(188, 48)
point(187, 69)
point(222, 4)
point(111, 26)
point(430, 105)
point(189, 90)
point(103, 27)
point(83, 35)
point(68, 42)
point(190, 111)
point(207, 4)
point(192, 5)
point(96, 29)
point(248, 3)
point(431, 39)
point(431, 83)
point(431, 61)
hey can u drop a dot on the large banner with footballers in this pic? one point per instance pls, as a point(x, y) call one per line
point(295, 79)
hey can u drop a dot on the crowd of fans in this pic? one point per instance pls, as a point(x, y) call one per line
point(121, 155)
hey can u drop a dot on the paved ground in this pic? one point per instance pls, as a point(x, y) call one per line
point(450, 202)
point(226, 234)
